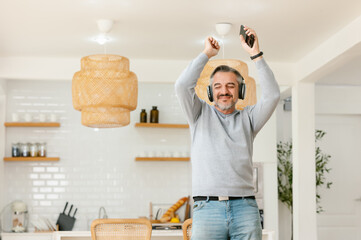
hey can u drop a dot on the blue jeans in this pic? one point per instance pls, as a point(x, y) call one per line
point(232, 219)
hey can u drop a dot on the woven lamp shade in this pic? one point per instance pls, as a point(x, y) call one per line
point(105, 91)
point(203, 81)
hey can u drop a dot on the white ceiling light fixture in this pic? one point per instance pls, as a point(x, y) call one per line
point(104, 26)
point(223, 28)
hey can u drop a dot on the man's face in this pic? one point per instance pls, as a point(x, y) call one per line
point(225, 90)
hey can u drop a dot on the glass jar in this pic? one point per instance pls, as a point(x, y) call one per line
point(143, 116)
point(15, 149)
point(154, 114)
point(34, 150)
point(42, 150)
point(24, 150)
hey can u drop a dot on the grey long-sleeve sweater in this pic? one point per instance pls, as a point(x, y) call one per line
point(222, 144)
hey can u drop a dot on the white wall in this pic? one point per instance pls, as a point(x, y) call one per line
point(284, 134)
point(2, 138)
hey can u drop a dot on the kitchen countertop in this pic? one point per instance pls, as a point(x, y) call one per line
point(155, 233)
point(60, 235)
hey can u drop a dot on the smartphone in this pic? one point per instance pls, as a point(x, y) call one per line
point(249, 39)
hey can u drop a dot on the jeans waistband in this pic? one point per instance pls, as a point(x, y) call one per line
point(219, 198)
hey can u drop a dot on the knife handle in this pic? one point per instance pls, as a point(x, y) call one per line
point(76, 209)
point(71, 207)
point(66, 205)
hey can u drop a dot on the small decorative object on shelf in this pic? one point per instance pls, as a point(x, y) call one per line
point(143, 116)
point(154, 115)
point(42, 149)
point(34, 149)
point(15, 149)
point(24, 149)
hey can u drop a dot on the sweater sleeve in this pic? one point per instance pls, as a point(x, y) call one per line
point(263, 109)
point(185, 88)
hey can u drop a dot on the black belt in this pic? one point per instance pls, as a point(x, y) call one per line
point(213, 198)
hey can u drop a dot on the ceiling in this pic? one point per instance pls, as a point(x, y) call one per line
point(168, 29)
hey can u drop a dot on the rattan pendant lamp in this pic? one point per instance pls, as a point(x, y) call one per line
point(203, 81)
point(105, 90)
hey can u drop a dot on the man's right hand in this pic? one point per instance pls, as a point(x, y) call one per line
point(211, 47)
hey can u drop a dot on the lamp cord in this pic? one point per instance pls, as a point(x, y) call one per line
point(222, 41)
point(105, 48)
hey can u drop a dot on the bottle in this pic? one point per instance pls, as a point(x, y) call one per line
point(143, 116)
point(154, 113)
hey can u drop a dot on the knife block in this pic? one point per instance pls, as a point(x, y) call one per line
point(65, 222)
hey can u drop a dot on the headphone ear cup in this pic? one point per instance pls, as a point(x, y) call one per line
point(242, 91)
point(210, 93)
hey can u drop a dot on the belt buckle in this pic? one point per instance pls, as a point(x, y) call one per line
point(223, 198)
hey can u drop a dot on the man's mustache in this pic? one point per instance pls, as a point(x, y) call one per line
point(224, 95)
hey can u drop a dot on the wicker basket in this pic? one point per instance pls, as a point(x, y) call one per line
point(105, 91)
point(203, 81)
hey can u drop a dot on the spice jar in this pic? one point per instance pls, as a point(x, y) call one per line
point(42, 149)
point(24, 150)
point(34, 150)
point(15, 149)
point(154, 114)
point(143, 116)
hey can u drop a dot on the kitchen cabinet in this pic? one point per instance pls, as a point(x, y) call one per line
point(31, 124)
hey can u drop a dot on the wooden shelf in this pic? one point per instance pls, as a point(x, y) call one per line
point(184, 159)
point(32, 124)
point(161, 125)
point(30, 159)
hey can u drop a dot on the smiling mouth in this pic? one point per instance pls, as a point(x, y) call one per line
point(225, 97)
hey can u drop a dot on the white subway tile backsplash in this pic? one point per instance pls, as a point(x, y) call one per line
point(52, 183)
point(52, 169)
point(45, 189)
point(38, 169)
point(97, 166)
point(38, 183)
point(52, 196)
point(45, 176)
point(59, 176)
point(38, 196)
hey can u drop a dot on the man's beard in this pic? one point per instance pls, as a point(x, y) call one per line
point(226, 106)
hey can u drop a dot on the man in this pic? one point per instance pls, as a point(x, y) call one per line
point(222, 145)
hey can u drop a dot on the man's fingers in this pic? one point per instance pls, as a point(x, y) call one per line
point(242, 39)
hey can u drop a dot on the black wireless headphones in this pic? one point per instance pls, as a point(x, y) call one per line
point(241, 91)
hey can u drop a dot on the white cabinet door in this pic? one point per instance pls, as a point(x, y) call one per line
point(342, 203)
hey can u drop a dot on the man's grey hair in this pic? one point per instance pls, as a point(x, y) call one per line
point(225, 68)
